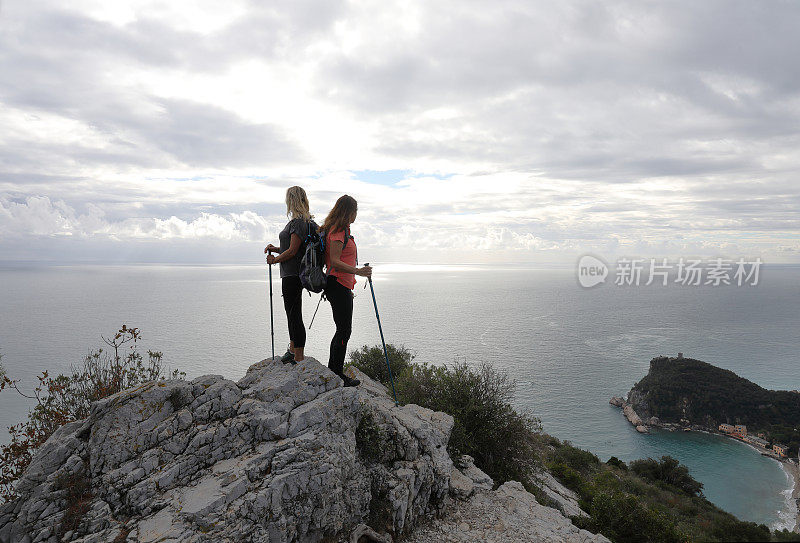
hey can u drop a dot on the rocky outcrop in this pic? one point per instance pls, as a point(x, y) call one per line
point(466, 481)
point(639, 403)
point(631, 414)
point(284, 454)
point(563, 497)
point(509, 513)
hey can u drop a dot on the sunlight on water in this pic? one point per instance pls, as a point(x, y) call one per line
point(424, 268)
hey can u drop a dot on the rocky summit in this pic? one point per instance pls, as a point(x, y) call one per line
point(284, 454)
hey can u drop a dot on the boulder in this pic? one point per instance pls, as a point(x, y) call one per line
point(631, 415)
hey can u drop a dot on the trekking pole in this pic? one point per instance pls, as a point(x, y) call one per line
point(271, 318)
point(380, 329)
point(315, 311)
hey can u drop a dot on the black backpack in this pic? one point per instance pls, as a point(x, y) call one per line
point(312, 277)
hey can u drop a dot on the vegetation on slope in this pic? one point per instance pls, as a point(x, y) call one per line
point(675, 389)
point(646, 501)
point(501, 440)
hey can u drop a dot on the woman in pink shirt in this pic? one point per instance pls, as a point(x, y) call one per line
point(341, 260)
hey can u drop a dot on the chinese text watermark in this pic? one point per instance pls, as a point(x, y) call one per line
point(593, 271)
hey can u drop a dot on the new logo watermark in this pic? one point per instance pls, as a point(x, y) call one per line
point(593, 270)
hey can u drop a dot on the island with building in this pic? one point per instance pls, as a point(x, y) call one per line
point(680, 393)
point(684, 394)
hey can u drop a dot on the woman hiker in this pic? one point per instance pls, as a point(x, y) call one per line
point(341, 259)
point(289, 257)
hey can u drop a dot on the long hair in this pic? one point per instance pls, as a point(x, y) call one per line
point(297, 204)
point(342, 214)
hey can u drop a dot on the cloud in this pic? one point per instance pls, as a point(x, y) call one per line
point(529, 127)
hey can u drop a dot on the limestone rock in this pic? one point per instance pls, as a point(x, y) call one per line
point(365, 534)
point(286, 454)
point(273, 457)
point(479, 479)
point(631, 415)
point(469, 479)
point(566, 499)
point(461, 486)
point(509, 513)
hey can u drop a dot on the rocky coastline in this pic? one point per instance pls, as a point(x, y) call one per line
point(633, 417)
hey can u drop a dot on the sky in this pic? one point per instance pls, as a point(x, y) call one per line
point(504, 131)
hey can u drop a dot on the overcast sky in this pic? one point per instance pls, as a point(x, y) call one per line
point(467, 131)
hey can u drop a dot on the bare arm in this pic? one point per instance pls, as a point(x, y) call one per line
point(336, 261)
point(288, 254)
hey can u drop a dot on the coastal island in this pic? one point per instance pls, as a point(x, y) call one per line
point(684, 394)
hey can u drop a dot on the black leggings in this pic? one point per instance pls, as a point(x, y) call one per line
point(341, 299)
point(293, 304)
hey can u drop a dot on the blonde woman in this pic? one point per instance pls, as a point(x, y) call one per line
point(289, 255)
point(341, 259)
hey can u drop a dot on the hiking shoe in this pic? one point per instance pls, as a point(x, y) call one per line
point(350, 382)
point(288, 357)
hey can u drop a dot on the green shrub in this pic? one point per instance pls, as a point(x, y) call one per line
point(486, 426)
point(668, 471)
point(370, 438)
point(729, 528)
point(578, 459)
point(372, 361)
point(623, 518)
point(785, 535)
point(567, 476)
point(617, 463)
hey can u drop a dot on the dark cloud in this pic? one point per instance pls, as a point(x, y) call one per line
point(203, 135)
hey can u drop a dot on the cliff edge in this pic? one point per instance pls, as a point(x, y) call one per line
point(284, 454)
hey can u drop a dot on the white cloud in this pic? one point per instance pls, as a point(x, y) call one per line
point(530, 127)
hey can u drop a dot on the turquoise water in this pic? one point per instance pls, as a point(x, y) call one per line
point(569, 349)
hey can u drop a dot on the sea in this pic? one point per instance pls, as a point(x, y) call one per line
point(569, 348)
